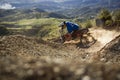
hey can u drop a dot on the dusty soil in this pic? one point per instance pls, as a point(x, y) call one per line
point(111, 51)
point(30, 58)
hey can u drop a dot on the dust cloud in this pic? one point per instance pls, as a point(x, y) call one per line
point(104, 36)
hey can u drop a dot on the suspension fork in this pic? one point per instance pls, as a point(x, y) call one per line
point(62, 40)
point(81, 37)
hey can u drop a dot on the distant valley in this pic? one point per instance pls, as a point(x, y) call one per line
point(66, 9)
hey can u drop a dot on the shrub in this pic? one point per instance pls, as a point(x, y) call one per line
point(109, 23)
point(3, 31)
point(88, 24)
point(104, 15)
point(116, 17)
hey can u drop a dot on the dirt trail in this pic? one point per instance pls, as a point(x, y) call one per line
point(29, 58)
point(29, 46)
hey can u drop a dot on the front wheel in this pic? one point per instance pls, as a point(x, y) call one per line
point(87, 40)
point(62, 39)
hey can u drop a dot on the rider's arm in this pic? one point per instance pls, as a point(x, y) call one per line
point(61, 31)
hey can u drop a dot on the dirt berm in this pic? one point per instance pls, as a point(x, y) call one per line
point(29, 58)
point(111, 51)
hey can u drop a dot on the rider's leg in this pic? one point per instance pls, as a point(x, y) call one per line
point(74, 34)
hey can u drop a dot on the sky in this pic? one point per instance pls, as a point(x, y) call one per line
point(52, 0)
point(31, 0)
point(6, 4)
point(60, 0)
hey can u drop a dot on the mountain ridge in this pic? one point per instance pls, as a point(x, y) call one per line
point(18, 14)
point(67, 8)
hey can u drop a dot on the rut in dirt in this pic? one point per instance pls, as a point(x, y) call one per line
point(111, 51)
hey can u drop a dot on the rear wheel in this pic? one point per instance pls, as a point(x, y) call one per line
point(87, 40)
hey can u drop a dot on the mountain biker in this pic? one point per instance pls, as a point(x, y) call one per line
point(72, 28)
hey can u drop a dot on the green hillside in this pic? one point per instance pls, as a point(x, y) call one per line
point(18, 14)
point(88, 8)
point(43, 27)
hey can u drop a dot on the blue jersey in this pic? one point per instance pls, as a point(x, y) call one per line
point(71, 27)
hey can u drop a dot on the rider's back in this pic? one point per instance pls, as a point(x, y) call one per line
point(72, 26)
